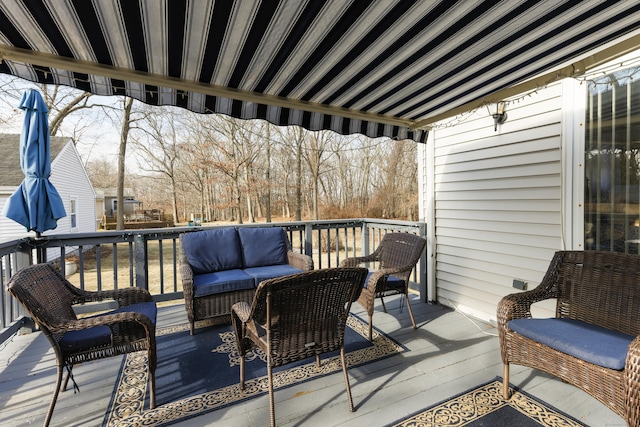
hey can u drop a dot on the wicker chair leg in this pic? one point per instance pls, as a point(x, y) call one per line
point(152, 390)
point(413, 321)
point(242, 372)
point(384, 307)
point(66, 379)
point(55, 395)
point(272, 408)
point(505, 381)
point(370, 326)
point(346, 379)
point(191, 327)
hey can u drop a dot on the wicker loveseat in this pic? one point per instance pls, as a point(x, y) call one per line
point(593, 342)
point(222, 266)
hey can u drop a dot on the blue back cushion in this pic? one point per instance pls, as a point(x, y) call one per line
point(263, 246)
point(213, 250)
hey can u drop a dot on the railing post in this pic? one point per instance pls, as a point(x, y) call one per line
point(142, 261)
point(21, 260)
point(308, 239)
point(422, 263)
point(364, 247)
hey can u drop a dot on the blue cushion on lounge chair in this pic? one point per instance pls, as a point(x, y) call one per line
point(222, 281)
point(213, 250)
point(86, 339)
point(270, 272)
point(263, 246)
point(393, 282)
point(591, 343)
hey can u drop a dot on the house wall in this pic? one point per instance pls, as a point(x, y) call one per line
point(71, 181)
point(494, 201)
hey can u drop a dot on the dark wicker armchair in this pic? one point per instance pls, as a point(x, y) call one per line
point(596, 288)
point(49, 298)
point(298, 316)
point(397, 255)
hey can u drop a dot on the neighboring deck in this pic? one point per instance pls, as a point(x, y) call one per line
point(448, 354)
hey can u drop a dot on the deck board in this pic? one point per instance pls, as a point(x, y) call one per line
point(447, 355)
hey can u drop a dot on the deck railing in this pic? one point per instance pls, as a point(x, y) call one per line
point(148, 258)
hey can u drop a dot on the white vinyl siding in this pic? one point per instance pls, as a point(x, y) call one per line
point(497, 201)
point(71, 181)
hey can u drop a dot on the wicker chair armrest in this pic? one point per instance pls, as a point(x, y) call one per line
point(124, 296)
point(242, 310)
point(357, 260)
point(396, 271)
point(518, 305)
point(106, 320)
point(241, 322)
point(186, 275)
point(301, 261)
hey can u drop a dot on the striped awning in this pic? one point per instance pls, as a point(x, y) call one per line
point(380, 68)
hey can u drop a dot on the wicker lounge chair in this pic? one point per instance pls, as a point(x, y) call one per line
point(296, 317)
point(49, 298)
point(593, 342)
point(397, 255)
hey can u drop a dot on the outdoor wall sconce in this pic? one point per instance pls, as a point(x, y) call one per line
point(500, 115)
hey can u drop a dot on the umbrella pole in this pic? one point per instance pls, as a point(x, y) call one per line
point(40, 257)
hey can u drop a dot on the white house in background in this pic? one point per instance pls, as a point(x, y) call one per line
point(561, 173)
point(107, 203)
point(67, 175)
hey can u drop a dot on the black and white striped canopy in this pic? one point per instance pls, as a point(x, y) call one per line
point(380, 68)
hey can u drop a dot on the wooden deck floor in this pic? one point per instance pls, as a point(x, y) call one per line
point(448, 354)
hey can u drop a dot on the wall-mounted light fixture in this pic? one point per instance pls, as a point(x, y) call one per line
point(500, 116)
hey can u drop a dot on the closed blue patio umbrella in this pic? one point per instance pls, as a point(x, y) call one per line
point(36, 203)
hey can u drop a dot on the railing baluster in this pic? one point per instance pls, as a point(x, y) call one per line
point(99, 267)
point(114, 250)
point(81, 266)
point(175, 264)
point(161, 265)
point(131, 263)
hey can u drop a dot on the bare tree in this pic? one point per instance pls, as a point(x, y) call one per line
point(122, 151)
point(159, 139)
point(234, 154)
point(315, 159)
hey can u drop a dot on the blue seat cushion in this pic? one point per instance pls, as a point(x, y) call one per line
point(222, 281)
point(594, 344)
point(271, 272)
point(100, 336)
point(393, 282)
point(86, 339)
point(213, 250)
point(263, 246)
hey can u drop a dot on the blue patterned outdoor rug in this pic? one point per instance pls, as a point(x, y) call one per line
point(200, 373)
point(485, 407)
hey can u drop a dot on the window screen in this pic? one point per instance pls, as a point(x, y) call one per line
point(612, 162)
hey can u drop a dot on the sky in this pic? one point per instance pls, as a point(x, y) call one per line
point(99, 137)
